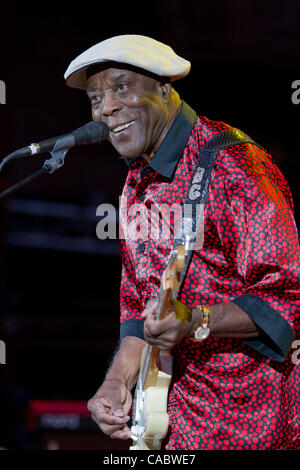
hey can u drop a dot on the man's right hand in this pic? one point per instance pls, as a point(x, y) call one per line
point(109, 408)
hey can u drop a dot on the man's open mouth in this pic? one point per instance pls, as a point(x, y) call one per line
point(121, 127)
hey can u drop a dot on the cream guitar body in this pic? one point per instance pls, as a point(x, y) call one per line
point(154, 419)
point(150, 419)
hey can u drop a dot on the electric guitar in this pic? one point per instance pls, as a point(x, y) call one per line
point(150, 420)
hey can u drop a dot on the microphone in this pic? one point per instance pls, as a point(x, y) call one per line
point(94, 132)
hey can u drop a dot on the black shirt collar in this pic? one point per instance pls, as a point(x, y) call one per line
point(165, 160)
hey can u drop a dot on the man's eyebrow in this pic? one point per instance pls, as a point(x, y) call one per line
point(121, 76)
point(90, 89)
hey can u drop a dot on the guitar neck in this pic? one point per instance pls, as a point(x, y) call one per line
point(168, 289)
point(150, 417)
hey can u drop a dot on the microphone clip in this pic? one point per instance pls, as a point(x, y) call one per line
point(58, 153)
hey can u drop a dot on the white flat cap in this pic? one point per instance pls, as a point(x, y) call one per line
point(139, 51)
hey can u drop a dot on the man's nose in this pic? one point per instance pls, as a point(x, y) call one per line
point(110, 104)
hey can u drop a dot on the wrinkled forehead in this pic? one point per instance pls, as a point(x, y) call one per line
point(117, 70)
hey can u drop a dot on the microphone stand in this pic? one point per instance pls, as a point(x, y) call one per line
point(58, 154)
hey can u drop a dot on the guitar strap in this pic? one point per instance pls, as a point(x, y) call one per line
point(191, 226)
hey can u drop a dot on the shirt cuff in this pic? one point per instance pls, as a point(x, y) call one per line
point(132, 327)
point(279, 334)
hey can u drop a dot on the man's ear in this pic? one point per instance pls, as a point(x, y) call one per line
point(165, 89)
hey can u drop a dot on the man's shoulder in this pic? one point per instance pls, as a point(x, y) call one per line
point(239, 160)
point(205, 129)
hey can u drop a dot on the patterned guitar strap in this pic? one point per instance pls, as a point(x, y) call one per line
point(191, 226)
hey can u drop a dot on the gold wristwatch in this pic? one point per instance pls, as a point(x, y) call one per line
point(202, 331)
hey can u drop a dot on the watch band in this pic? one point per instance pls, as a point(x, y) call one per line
point(202, 331)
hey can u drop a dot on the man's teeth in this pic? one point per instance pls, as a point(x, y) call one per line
point(122, 127)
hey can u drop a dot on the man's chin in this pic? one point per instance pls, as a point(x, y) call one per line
point(129, 154)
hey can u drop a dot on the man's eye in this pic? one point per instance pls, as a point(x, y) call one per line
point(95, 98)
point(121, 87)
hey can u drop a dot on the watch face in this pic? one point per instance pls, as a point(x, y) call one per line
point(201, 333)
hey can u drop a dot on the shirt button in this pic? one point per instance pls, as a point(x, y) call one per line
point(141, 248)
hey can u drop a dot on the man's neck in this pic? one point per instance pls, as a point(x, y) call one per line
point(174, 107)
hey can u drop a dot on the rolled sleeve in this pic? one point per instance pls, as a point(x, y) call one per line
point(132, 327)
point(279, 334)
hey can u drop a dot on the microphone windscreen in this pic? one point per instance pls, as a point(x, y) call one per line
point(91, 133)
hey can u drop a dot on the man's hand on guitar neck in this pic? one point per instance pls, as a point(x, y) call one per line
point(166, 333)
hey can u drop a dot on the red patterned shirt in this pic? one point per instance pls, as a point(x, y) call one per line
point(225, 393)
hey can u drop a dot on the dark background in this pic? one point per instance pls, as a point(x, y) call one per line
point(59, 284)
